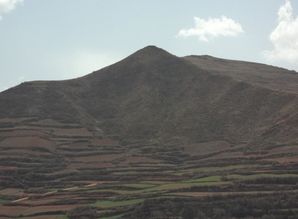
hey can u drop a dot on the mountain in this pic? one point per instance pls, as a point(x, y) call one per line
point(151, 113)
point(154, 95)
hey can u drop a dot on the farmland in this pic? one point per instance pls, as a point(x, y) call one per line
point(114, 184)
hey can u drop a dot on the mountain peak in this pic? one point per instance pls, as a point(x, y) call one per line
point(150, 52)
point(152, 48)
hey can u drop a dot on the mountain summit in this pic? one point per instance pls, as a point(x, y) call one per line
point(151, 51)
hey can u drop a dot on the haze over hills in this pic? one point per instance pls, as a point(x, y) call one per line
point(155, 115)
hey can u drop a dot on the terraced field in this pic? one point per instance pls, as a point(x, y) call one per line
point(63, 167)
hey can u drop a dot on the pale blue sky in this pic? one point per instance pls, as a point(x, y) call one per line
point(60, 39)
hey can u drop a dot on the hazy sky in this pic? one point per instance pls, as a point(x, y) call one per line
point(60, 39)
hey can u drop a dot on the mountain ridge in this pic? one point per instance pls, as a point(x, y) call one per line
point(267, 76)
point(165, 89)
point(156, 52)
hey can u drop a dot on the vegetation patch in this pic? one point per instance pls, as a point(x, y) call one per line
point(256, 176)
point(3, 200)
point(139, 185)
point(113, 217)
point(117, 203)
point(205, 179)
point(62, 217)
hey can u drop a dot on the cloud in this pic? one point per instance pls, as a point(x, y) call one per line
point(211, 28)
point(284, 37)
point(8, 5)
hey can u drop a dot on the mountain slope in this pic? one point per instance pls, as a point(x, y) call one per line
point(153, 131)
point(266, 76)
point(155, 95)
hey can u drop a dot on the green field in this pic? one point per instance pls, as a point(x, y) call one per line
point(117, 203)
